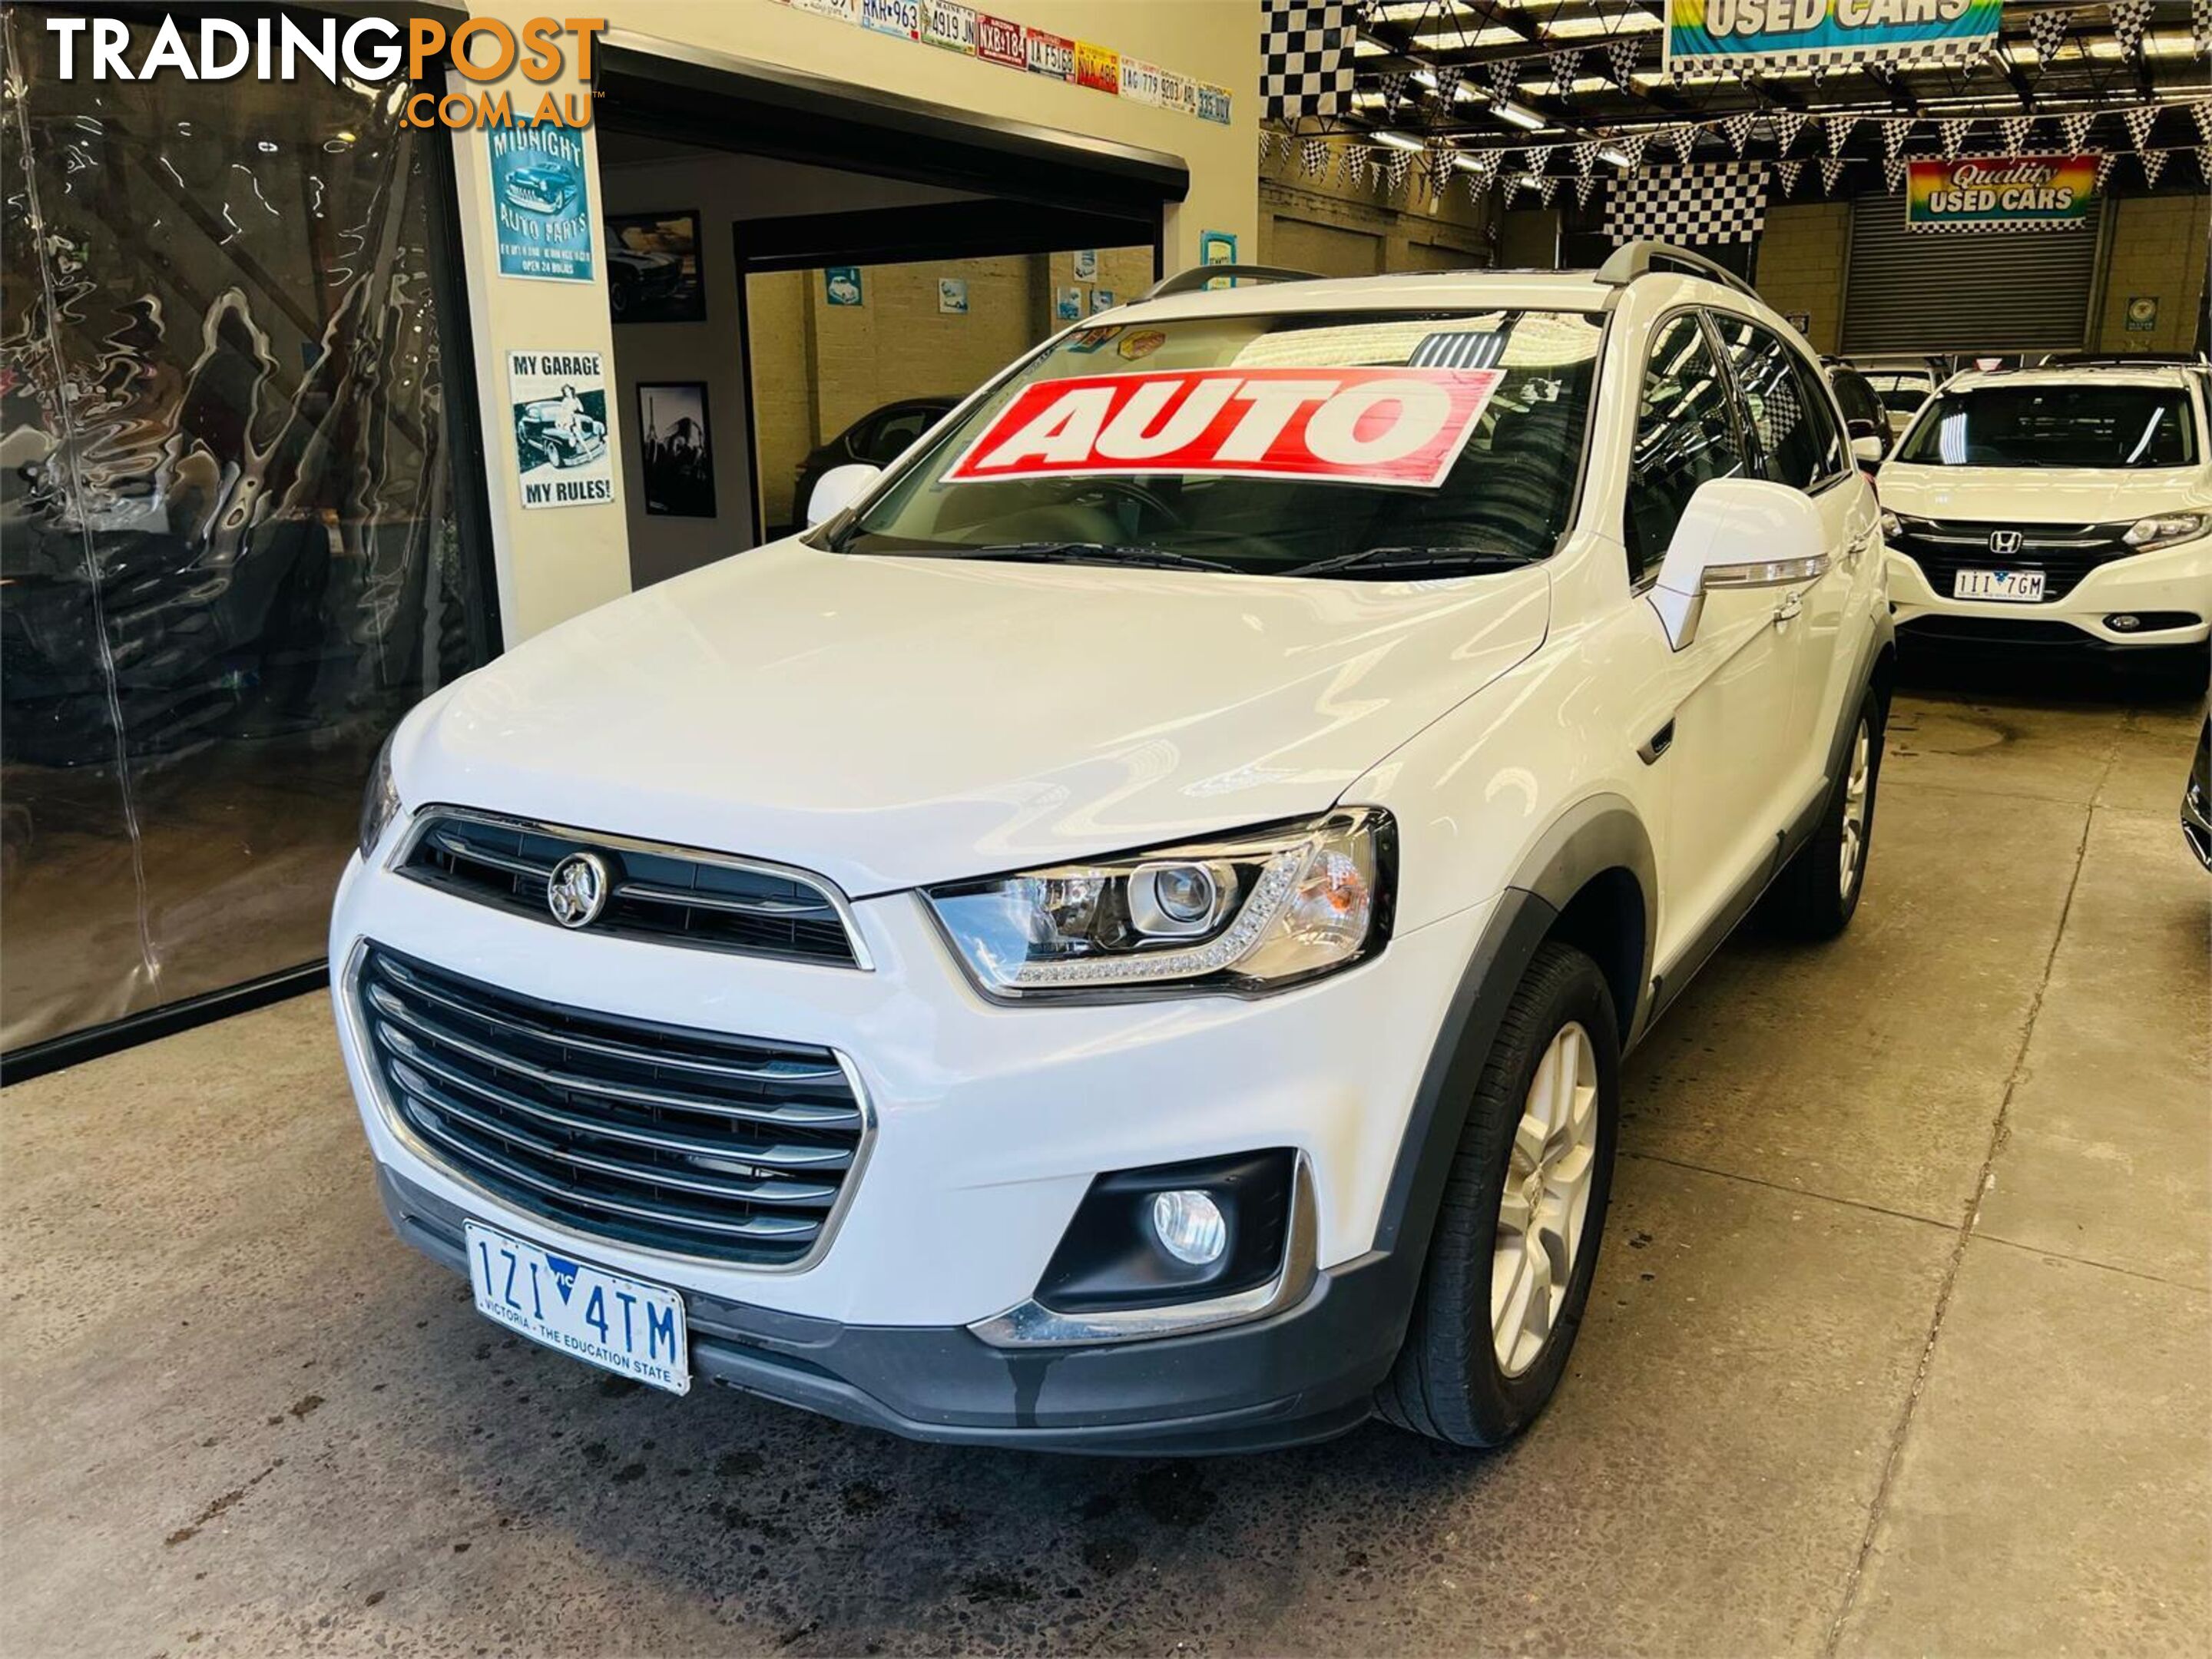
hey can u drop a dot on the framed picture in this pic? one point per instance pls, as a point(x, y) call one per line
point(1086, 264)
point(841, 286)
point(952, 295)
point(1068, 307)
point(678, 451)
point(652, 268)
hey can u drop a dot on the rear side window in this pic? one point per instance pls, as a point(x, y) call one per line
point(1787, 405)
point(1858, 401)
point(1684, 436)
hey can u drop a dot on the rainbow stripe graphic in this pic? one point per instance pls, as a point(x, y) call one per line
point(2000, 192)
point(1793, 34)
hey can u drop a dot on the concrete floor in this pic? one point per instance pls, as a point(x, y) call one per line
point(1902, 1340)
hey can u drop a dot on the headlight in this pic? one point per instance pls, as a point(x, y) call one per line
point(2164, 530)
point(1891, 525)
point(380, 802)
point(1249, 913)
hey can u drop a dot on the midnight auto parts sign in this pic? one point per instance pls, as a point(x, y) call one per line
point(560, 400)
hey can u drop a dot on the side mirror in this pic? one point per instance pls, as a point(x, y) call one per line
point(838, 488)
point(1738, 532)
point(1868, 451)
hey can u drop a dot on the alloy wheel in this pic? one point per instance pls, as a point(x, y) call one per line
point(1541, 1212)
point(1855, 787)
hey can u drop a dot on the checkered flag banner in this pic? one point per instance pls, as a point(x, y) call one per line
point(1623, 51)
point(1313, 158)
point(1392, 87)
point(2012, 133)
point(1838, 131)
point(1565, 65)
point(1895, 130)
point(1832, 169)
point(1893, 174)
point(2047, 30)
point(2153, 163)
point(2074, 128)
point(2105, 163)
point(2130, 18)
point(1683, 204)
point(2139, 124)
point(2200, 28)
point(1954, 131)
point(1736, 130)
point(1788, 173)
point(1681, 136)
point(1787, 125)
point(1305, 57)
point(1502, 75)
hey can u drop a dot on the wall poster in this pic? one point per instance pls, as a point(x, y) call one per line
point(678, 450)
point(560, 400)
point(541, 203)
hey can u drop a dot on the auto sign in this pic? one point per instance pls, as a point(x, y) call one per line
point(1376, 426)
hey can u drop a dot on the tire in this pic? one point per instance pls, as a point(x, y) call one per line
point(1450, 1381)
point(1816, 895)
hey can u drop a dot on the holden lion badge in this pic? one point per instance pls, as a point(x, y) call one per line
point(576, 892)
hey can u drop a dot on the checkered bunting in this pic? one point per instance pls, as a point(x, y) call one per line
point(1447, 85)
point(1585, 187)
point(1631, 145)
point(1737, 130)
point(1895, 130)
point(1357, 159)
point(1818, 72)
point(1585, 157)
point(2047, 30)
point(1393, 88)
point(1547, 190)
point(1893, 174)
point(1437, 167)
point(2139, 124)
point(1832, 169)
point(2105, 163)
point(2204, 162)
point(1394, 168)
point(1681, 136)
point(1787, 125)
point(2012, 133)
point(1838, 131)
point(1504, 74)
point(1478, 186)
point(1788, 173)
point(1955, 131)
point(1313, 158)
point(1622, 52)
point(1565, 65)
point(2074, 128)
point(1305, 57)
point(2130, 18)
point(2202, 112)
point(1688, 204)
point(2153, 163)
point(2200, 30)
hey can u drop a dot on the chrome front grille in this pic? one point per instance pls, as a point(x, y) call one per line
point(735, 1148)
point(672, 894)
point(2065, 553)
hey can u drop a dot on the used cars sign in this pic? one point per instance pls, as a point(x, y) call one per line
point(1992, 192)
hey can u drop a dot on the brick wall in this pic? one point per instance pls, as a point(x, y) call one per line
point(1803, 252)
point(2159, 253)
point(1407, 232)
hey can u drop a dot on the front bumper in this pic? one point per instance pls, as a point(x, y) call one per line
point(991, 1123)
point(2173, 580)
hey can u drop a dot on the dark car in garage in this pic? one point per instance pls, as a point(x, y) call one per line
point(878, 438)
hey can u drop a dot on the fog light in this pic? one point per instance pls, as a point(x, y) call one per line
point(2124, 622)
point(1190, 1226)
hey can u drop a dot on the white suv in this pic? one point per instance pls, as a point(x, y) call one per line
point(1123, 938)
point(2069, 506)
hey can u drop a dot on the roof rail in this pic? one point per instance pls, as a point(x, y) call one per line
point(1189, 282)
point(1633, 260)
point(2121, 359)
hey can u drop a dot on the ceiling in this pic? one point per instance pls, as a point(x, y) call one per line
point(1416, 45)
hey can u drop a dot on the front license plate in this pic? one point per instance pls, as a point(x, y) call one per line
point(2019, 586)
point(607, 1319)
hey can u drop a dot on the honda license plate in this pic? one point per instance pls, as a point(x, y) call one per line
point(2017, 586)
point(607, 1319)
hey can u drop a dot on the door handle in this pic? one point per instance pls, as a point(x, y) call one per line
point(1791, 608)
point(1657, 744)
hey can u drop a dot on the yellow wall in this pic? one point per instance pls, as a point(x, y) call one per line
point(2158, 250)
point(1803, 252)
point(1336, 229)
point(554, 563)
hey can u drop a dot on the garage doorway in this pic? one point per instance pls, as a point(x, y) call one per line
point(860, 260)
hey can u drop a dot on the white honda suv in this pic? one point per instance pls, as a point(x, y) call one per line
point(1122, 937)
point(2067, 507)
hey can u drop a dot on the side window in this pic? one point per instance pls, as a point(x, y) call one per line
point(894, 433)
point(1788, 414)
point(1684, 437)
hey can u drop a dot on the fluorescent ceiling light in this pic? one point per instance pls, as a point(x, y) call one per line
point(1398, 141)
point(1613, 157)
point(1576, 28)
point(1519, 115)
point(1368, 46)
point(1492, 34)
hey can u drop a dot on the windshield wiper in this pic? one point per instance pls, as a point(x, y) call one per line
point(1155, 558)
point(1394, 561)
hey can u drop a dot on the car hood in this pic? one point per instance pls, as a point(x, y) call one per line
point(2042, 495)
point(891, 721)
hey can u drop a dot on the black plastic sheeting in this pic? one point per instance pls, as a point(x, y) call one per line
point(227, 522)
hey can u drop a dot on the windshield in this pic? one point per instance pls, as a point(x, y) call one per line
point(2055, 425)
point(1353, 446)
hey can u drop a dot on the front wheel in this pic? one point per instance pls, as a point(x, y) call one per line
point(1817, 895)
point(1516, 1236)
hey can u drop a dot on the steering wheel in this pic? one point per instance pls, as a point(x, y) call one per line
point(1144, 499)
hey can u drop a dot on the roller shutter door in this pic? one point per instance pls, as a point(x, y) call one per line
point(1964, 290)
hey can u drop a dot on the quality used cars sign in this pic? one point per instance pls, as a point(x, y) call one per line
point(373, 49)
point(1992, 192)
